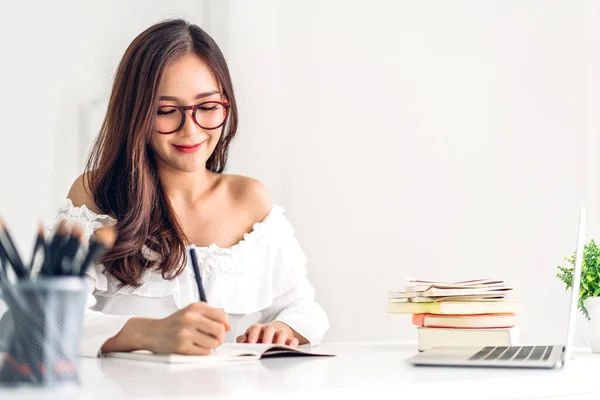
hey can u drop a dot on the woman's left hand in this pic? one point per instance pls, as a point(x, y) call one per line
point(275, 332)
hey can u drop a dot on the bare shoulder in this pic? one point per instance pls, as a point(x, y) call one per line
point(251, 195)
point(80, 194)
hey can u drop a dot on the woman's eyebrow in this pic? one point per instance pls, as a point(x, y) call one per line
point(200, 96)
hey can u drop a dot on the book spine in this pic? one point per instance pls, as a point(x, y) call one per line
point(468, 321)
point(466, 327)
point(432, 337)
point(418, 319)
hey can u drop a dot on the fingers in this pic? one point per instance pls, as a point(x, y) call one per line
point(207, 319)
point(216, 314)
point(253, 333)
point(268, 332)
point(280, 337)
point(196, 329)
point(192, 349)
point(190, 341)
point(205, 341)
point(212, 328)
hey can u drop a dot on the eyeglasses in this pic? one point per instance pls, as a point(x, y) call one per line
point(208, 115)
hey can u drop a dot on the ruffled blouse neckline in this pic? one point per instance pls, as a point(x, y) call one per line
point(256, 231)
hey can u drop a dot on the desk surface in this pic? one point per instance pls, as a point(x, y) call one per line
point(374, 369)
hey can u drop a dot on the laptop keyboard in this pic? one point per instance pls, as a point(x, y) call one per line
point(515, 353)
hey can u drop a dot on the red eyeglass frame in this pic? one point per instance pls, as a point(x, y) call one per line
point(182, 109)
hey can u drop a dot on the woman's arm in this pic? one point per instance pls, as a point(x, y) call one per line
point(196, 329)
point(133, 336)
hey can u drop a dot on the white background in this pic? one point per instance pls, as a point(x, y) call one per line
point(438, 139)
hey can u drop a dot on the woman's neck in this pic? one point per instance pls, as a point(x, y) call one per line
point(184, 186)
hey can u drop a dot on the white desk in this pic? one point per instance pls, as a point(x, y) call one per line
point(365, 369)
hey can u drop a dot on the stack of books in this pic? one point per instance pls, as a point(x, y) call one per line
point(465, 313)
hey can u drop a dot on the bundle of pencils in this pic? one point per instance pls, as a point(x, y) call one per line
point(64, 254)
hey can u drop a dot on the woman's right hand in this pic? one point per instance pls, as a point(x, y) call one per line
point(195, 330)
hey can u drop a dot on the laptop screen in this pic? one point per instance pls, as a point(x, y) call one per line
point(576, 285)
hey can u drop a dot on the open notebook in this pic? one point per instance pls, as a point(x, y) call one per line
point(226, 352)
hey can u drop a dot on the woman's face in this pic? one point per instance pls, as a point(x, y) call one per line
point(187, 81)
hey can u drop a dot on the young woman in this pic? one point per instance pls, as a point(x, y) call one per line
point(155, 172)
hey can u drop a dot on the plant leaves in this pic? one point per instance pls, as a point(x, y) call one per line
point(590, 274)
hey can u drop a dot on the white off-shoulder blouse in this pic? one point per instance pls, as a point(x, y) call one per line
point(265, 272)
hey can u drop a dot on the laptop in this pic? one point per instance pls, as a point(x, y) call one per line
point(534, 356)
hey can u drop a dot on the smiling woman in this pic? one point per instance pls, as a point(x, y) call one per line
point(156, 173)
point(209, 111)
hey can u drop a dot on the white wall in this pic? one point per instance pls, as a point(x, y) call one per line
point(248, 33)
point(56, 73)
point(592, 74)
point(439, 139)
point(431, 139)
point(28, 71)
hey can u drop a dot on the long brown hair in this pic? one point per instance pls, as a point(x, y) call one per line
point(121, 172)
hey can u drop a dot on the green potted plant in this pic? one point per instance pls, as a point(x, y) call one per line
point(589, 292)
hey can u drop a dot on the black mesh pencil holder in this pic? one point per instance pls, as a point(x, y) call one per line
point(47, 316)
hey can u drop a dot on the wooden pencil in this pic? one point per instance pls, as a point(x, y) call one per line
point(40, 243)
point(48, 269)
point(66, 256)
point(197, 275)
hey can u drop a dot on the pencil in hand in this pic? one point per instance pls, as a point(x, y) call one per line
point(197, 275)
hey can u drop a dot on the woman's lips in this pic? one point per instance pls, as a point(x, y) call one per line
point(189, 149)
